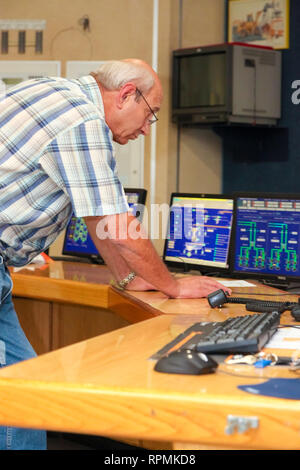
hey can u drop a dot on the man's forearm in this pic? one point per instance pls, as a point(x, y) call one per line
point(111, 255)
point(124, 254)
point(144, 261)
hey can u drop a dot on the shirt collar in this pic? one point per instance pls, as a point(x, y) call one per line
point(91, 89)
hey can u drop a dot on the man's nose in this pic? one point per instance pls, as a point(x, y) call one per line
point(146, 128)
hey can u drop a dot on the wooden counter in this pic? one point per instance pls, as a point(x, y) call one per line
point(63, 303)
point(107, 386)
point(64, 282)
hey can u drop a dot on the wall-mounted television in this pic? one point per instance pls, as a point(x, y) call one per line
point(227, 83)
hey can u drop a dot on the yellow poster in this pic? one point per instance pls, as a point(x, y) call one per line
point(259, 22)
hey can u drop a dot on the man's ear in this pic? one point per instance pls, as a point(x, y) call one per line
point(125, 92)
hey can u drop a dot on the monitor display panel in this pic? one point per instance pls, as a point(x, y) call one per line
point(202, 80)
point(199, 232)
point(266, 238)
point(78, 243)
point(201, 84)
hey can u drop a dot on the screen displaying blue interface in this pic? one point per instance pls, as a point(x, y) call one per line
point(267, 236)
point(199, 230)
point(77, 240)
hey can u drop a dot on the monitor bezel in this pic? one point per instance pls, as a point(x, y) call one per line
point(255, 275)
point(203, 268)
point(93, 257)
point(193, 114)
point(141, 199)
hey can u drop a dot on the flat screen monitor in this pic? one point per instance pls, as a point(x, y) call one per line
point(199, 232)
point(77, 241)
point(266, 237)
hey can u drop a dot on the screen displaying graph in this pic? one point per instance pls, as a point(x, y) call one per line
point(267, 235)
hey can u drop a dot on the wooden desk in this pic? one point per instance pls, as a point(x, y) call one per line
point(107, 386)
point(62, 303)
point(65, 282)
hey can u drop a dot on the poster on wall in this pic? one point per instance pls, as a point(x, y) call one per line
point(13, 72)
point(259, 22)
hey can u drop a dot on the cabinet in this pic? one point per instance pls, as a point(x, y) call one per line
point(51, 325)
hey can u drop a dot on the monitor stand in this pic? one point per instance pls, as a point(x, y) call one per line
point(178, 270)
point(78, 259)
point(289, 286)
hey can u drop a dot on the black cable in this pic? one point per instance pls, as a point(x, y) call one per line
point(65, 30)
point(185, 264)
point(269, 295)
point(219, 298)
point(261, 307)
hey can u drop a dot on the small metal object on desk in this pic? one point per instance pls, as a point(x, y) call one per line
point(295, 361)
point(240, 359)
point(252, 359)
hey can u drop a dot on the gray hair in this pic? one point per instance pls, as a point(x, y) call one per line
point(114, 74)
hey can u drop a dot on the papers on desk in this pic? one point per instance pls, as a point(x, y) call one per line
point(40, 261)
point(238, 283)
point(16, 269)
point(285, 338)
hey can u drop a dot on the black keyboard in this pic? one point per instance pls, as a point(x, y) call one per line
point(245, 334)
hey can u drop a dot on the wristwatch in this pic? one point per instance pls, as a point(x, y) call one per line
point(122, 284)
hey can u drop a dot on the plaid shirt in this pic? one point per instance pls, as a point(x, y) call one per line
point(56, 156)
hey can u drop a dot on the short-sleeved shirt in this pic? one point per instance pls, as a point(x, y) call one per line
point(56, 157)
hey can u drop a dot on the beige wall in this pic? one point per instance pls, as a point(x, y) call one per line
point(123, 28)
point(119, 28)
point(200, 159)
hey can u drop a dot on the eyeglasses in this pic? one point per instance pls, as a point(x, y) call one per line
point(151, 121)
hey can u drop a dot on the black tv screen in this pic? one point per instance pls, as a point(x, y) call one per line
point(201, 80)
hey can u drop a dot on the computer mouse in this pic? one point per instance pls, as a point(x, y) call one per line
point(186, 361)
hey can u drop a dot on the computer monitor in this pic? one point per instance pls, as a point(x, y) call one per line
point(199, 232)
point(78, 242)
point(266, 238)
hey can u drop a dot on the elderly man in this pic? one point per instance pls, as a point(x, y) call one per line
point(56, 158)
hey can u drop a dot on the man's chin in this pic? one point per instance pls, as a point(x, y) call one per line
point(124, 140)
point(120, 141)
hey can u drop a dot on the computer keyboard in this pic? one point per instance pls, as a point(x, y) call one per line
point(244, 334)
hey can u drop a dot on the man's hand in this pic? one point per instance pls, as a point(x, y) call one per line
point(194, 287)
point(190, 287)
point(125, 254)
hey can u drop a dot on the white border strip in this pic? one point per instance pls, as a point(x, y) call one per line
point(22, 24)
